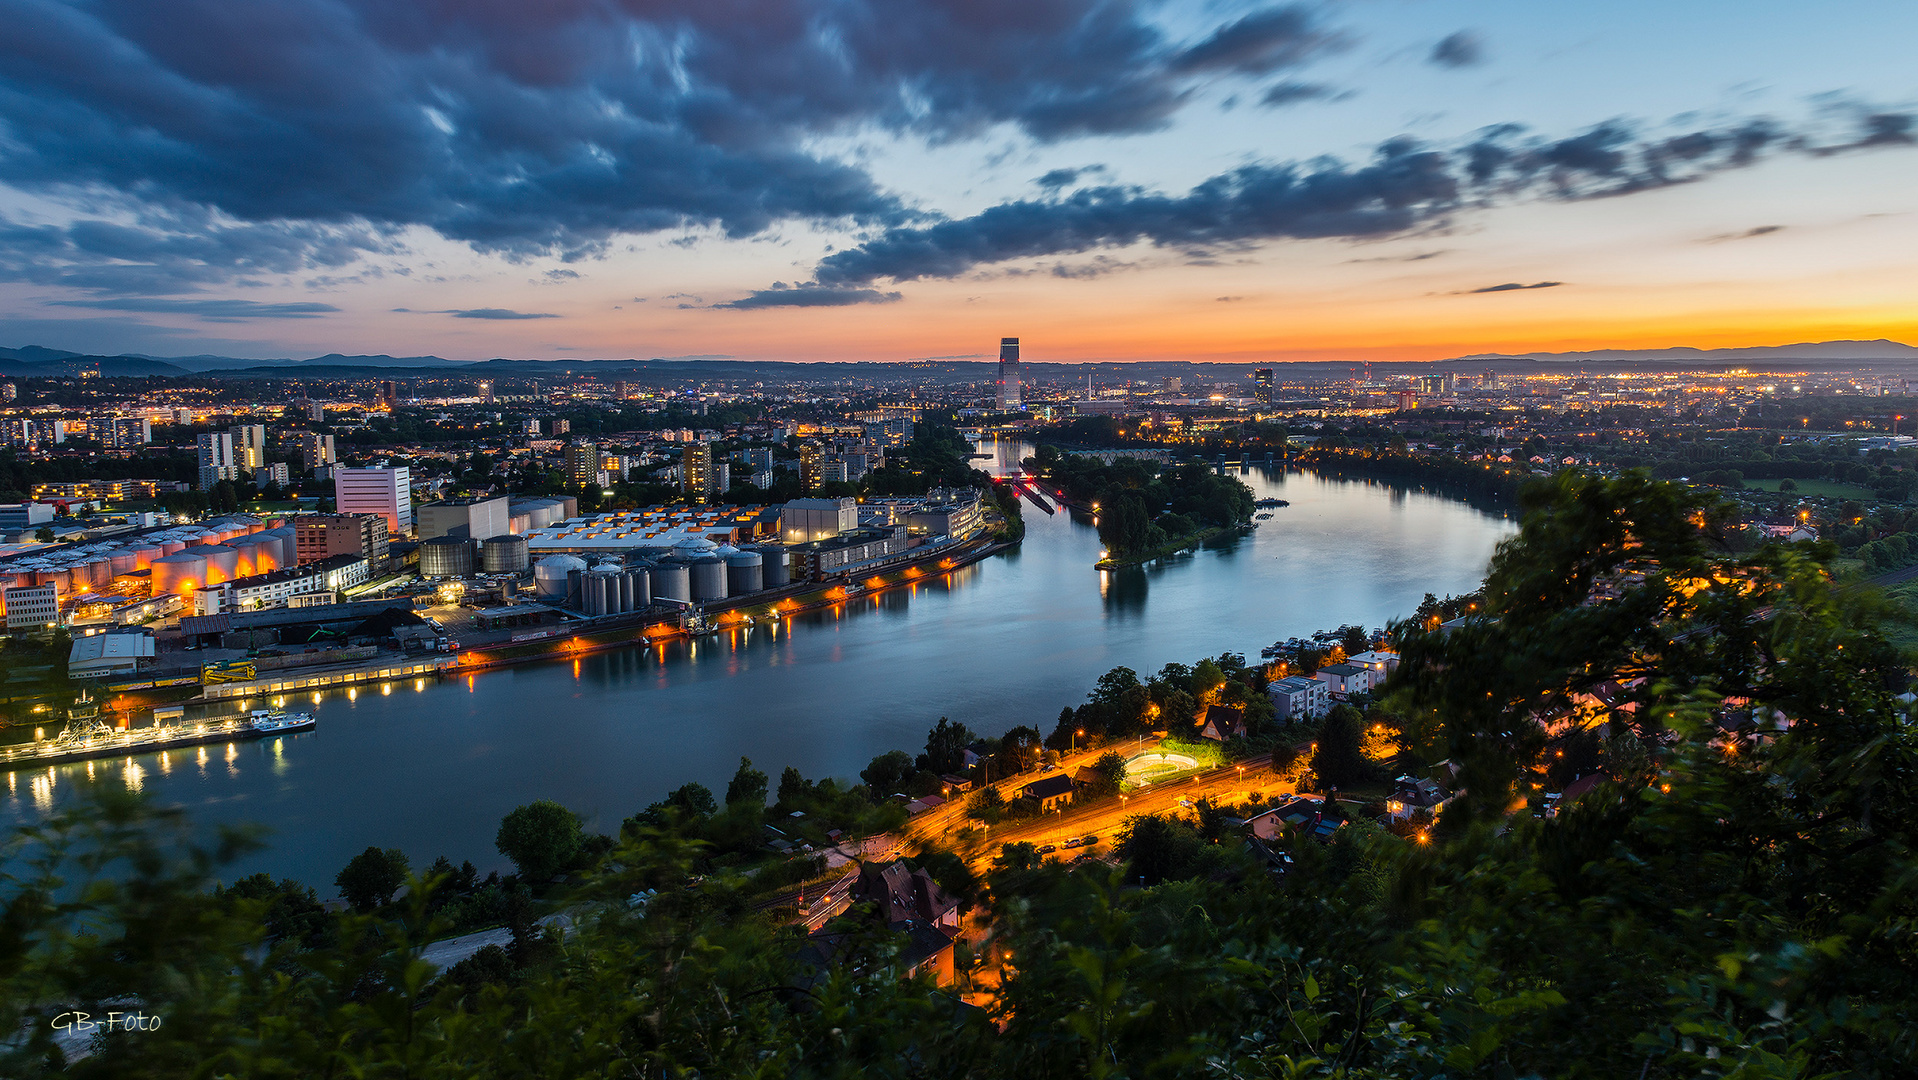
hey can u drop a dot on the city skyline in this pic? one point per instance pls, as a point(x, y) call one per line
point(1237, 182)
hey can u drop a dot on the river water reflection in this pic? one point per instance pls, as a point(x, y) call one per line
point(431, 766)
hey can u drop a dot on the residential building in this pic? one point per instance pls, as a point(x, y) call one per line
point(1344, 680)
point(316, 451)
point(475, 519)
point(389, 395)
point(959, 516)
point(561, 427)
point(824, 558)
point(32, 607)
point(529, 427)
point(812, 458)
point(279, 588)
point(696, 474)
point(757, 458)
point(216, 459)
point(485, 390)
point(1223, 721)
point(383, 490)
point(805, 520)
point(114, 432)
point(272, 473)
point(98, 489)
point(249, 446)
point(1380, 664)
point(582, 463)
point(1052, 792)
point(316, 412)
point(1410, 796)
point(317, 537)
point(1299, 698)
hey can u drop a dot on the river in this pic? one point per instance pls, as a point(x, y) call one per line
point(430, 767)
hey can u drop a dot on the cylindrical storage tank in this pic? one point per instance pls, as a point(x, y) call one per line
point(504, 555)
point(549, 576)
point(101, 569)
point(124, 562)
point(179, 574)
point(672, 580)
point(777, 568)
point(626, 593)
point(289, 545)
point(172, 546)
point(222, 562)
point(709, 578)
point(642, 576)
point(249, 562)
point(745, 572)
point(145, 553)
point(447, 556)
point(61, 579)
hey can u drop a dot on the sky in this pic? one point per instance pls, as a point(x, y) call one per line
point(894, 179)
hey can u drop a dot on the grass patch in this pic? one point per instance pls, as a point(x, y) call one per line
point(1822, 489)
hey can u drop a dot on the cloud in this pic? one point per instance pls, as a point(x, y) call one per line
point(1404, 188)
point(1291, 93)
point(1460, 49)
point(198, 144)
point(699, 356)
point(1760, 230)
point(1228, 299)
point(1059, 178)
point(210, 310)
point(1511, 286)
point(560, 275)
point(495, 313)
point(808, 295)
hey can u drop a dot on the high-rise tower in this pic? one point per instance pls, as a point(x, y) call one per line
point(1008, 398)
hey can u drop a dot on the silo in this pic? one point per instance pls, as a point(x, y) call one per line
point(222, 562)
point(124, 561)
point(171, 546)
point(289, 546)
point(777, 566)
point(642, 575)
point(745, 572)
point(100, 571)
point(178, 574)
point(672, 580)
point(549, 576)
point(504, 554)
point(709, 578)
point(248, 552)
point(447, 556)
point(145, 552)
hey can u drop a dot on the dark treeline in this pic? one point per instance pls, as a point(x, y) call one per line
point(1144, 505)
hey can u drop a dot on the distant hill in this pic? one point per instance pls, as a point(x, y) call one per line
point(1878, 349)
point(50, 363)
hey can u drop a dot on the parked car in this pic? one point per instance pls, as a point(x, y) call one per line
point(1046, 849)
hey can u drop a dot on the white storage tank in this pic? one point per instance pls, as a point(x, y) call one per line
point(549, 576)
point(222, 562)
point(504, 555)
point(709, 578)
point(777, 570)
point(124, 562)
point(178, 574)
point(672, 580)
point(745, 572)
point(145, 553)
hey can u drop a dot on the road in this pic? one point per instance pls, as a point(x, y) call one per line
point(1226, 785)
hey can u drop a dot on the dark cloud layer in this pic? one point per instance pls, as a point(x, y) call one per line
point(1513, 286)
point(211, 310)
point(1406, 186)
point(306, 133)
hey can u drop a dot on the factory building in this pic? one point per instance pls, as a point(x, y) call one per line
point(475, 519)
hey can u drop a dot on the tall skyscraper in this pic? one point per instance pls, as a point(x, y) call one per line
point(383, 490)
point(389, 395)
point(1262, 385)
point(812, 466)
point(696, 474)
point(216, 459)
point(1008, 398)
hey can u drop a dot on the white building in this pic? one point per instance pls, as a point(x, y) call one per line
point(216, 459)
point(1299, 698)
point(802, 521)
point(1344, 680)
point(1380, 664)
point(32, 607)
point(382, 490)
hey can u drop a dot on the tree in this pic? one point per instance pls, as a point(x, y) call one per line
point(372, 877)
point(1340, 758)
point(1113, 685)
point(945, 747)
point(888, 774)
point(1108, 774)
point(1157, 849)
point(1019, 748)
point(1354, 640)
point(793, 788)
point(987, 805)
point(693, 798)
point(44, 534)
point(542, 838)
point(748, 786)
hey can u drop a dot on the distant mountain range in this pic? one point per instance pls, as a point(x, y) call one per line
point(1878, 349)
point(36, 360)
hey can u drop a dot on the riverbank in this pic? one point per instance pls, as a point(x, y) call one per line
point(1170, 547)
point(626, 631)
